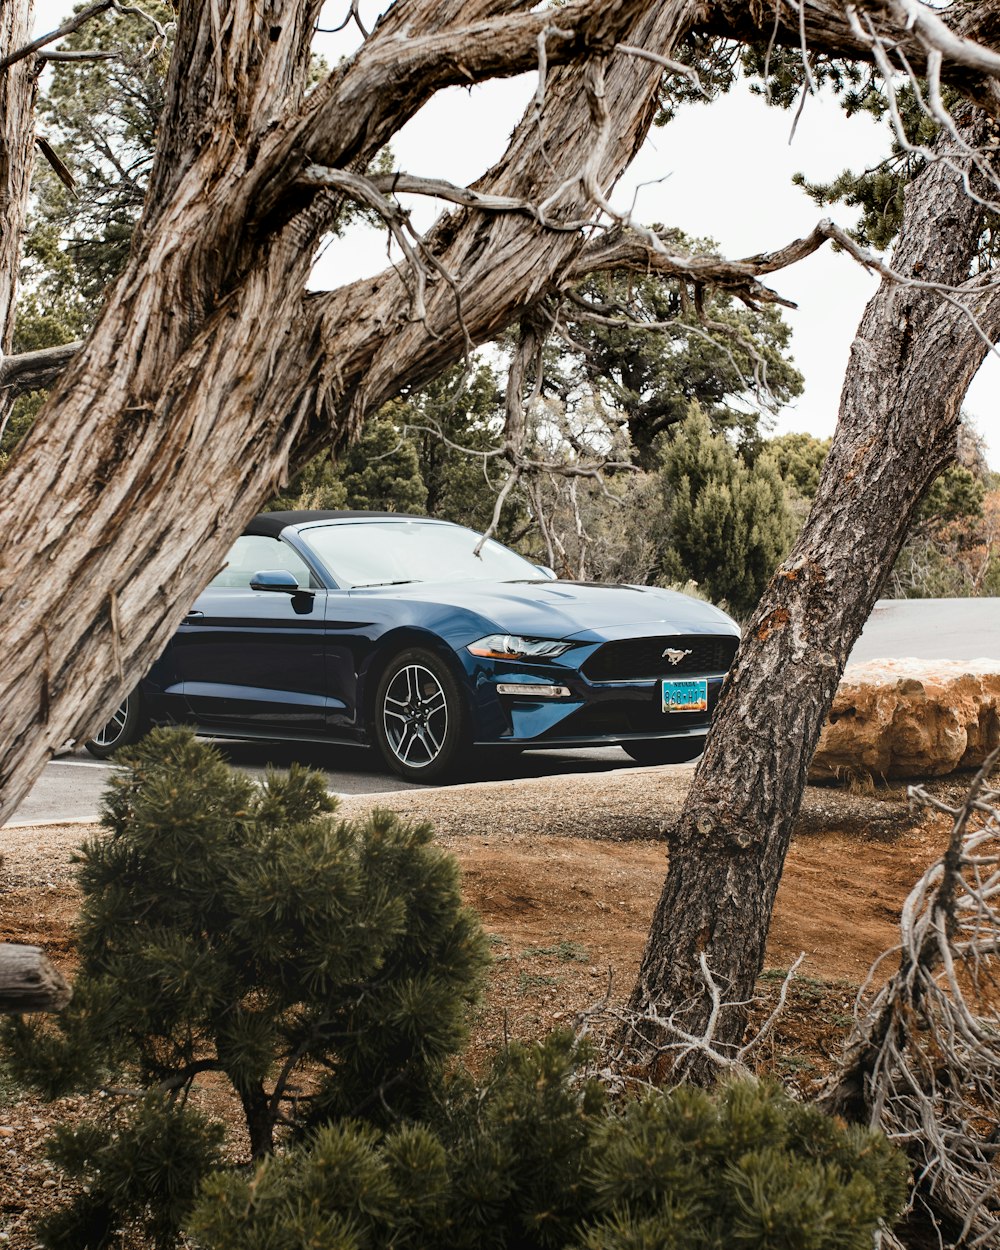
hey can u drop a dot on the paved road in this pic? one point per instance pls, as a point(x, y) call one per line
point(952, 629)
point(931, 629)
point(71, 786)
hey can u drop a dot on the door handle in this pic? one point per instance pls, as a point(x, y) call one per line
point(193, 615)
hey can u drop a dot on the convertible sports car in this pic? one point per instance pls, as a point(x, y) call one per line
point(403, 633)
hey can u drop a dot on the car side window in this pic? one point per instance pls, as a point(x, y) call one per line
point(255, 553)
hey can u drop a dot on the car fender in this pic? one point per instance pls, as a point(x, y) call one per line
point(391, 644)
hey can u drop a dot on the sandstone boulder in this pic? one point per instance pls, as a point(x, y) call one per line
point(911, 718)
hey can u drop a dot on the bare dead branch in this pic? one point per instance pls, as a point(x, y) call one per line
point(67, 28)
point(30, 371)
point(677, 1044)
point(937, 35)
point(97, 55)
point(672, 67)
point(924, 1061)
point(57, 163)
point(353, 15)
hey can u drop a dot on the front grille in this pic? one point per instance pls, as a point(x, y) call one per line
point(635, 659)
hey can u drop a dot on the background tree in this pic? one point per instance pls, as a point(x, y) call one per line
point(733, 362)
point(727, 523)
point(799, 460)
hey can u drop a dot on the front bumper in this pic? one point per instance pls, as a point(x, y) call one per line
point(594, 714)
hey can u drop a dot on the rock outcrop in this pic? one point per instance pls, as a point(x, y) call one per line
point(911, 718)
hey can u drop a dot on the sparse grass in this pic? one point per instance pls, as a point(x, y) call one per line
point(527, 981)
point(10, 1091)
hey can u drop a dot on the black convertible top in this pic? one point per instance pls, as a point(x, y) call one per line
point(272, 523)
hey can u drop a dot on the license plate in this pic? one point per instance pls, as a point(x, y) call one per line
point(685, 696)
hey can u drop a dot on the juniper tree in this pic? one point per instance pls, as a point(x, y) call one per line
point(727, 522)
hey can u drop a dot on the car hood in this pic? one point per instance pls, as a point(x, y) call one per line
point(557, 609)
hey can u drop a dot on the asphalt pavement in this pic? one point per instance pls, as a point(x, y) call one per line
point(71, 786)
point(930, 629)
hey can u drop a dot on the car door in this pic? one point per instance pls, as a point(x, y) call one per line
point(254, 660)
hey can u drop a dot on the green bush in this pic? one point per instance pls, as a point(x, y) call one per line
point(536, 1159)
point(139, 1171)
point(323, 967)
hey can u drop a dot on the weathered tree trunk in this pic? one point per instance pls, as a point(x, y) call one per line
point(910, 367)
point(17, 138)
point(28, 982)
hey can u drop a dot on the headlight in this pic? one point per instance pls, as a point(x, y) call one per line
point(512, 647)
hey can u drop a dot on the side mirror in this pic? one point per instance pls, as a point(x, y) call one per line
point(278, 579)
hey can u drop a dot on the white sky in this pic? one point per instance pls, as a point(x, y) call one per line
point(726, 170)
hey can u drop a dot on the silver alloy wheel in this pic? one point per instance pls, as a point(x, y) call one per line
point(415, 716)
point(108, 735)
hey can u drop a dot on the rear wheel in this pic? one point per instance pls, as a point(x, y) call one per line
point(420, 718)
point(126, 726)
point(665, 750)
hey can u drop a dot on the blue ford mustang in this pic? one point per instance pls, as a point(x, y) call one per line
point(411, 635)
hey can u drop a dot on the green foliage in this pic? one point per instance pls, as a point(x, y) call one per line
point(952, 550)
point(318, 485)
point(748, 1167)
point(422, 453)
point(653, 376)
point(240, 928)
point(101, 116)
point(879, 191)
point(799, 459)
point(141, 1171)
point(537, 1159)
point(381, 472)
point(23, 414)
point(728, 524)
point(463, 407)
point(957, 494)
point(777, 73)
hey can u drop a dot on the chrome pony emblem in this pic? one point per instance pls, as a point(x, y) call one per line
point(674, 656)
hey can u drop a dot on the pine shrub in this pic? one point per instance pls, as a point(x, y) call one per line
point(537, 1159)
point(323, 967)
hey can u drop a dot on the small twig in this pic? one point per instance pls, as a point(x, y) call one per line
point(67, 28)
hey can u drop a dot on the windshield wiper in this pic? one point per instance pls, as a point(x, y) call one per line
point(406, 581)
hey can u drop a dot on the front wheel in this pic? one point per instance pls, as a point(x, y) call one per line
point(420, 718)
point(126, 726)
point(665, 750)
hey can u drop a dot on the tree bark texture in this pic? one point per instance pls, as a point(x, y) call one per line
point(910, 366)
point(17, 135)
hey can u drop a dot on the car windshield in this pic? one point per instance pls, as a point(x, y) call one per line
point(384, 553)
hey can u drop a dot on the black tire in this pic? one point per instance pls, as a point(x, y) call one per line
point(126, 726)
point(420, 717)
point(665, 750)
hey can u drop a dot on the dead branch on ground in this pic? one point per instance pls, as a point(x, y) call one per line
point(924, 1061)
